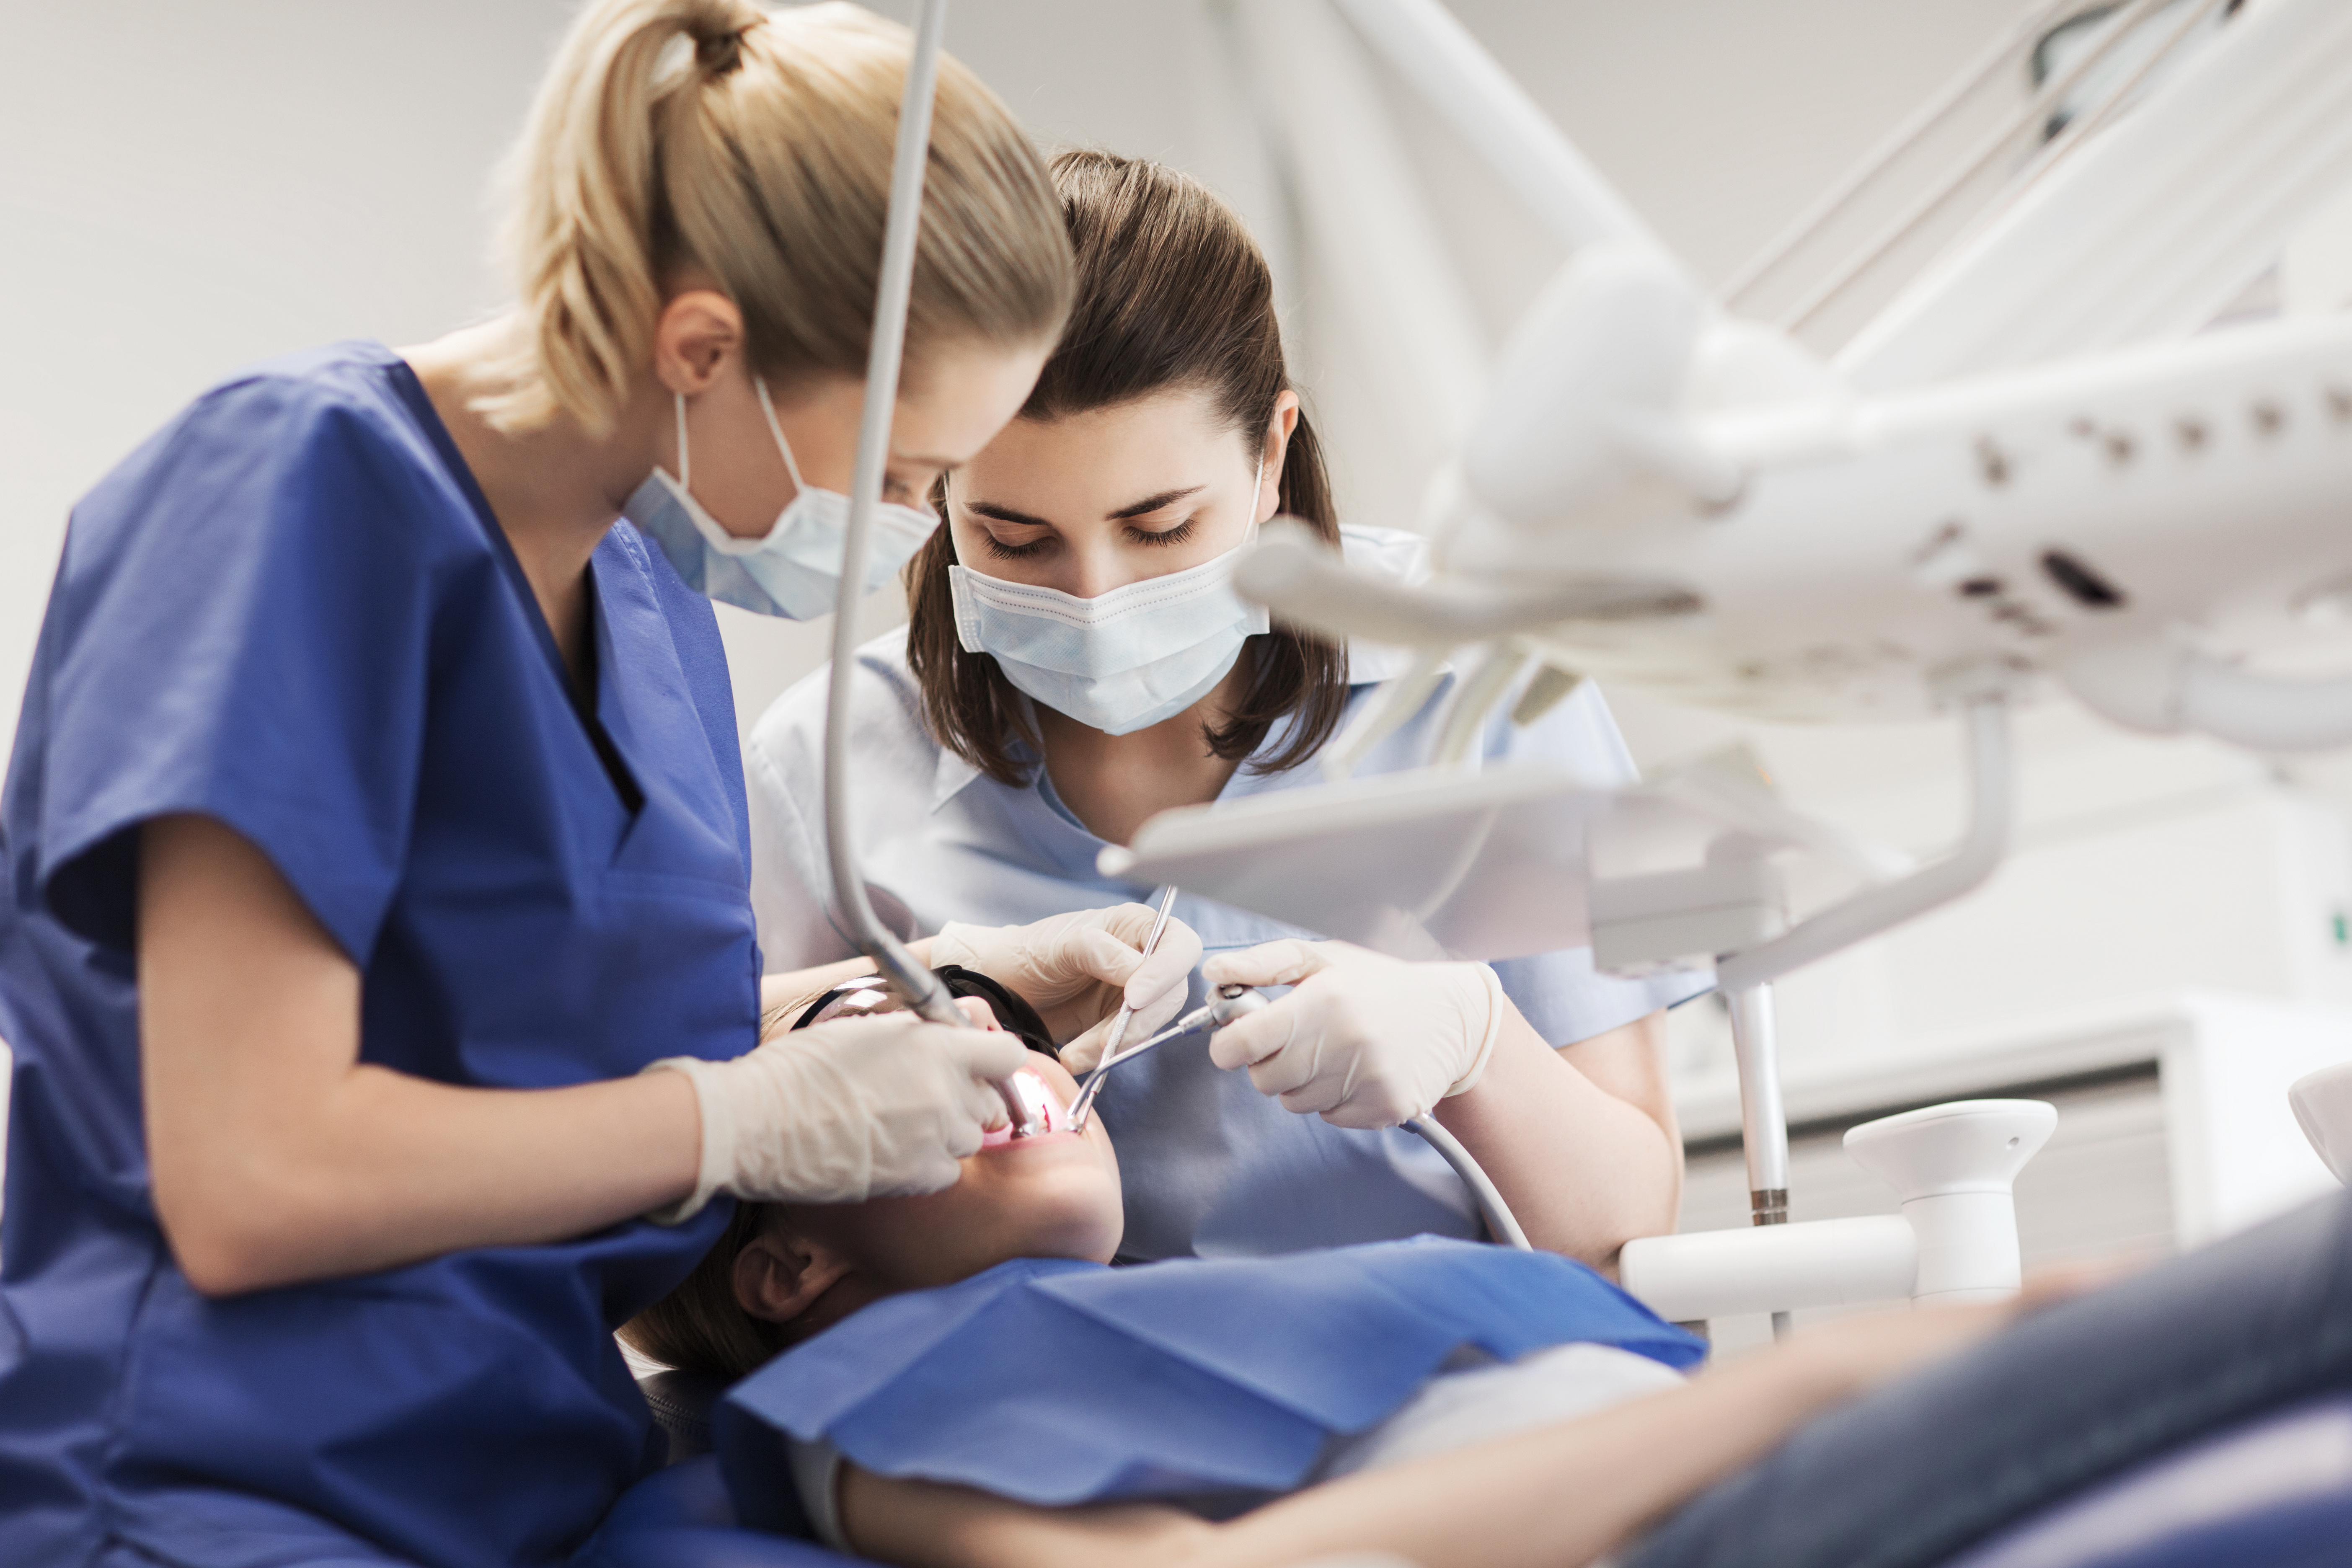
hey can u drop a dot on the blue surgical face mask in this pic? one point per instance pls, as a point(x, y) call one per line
point(1120, 662)
point(794, 569)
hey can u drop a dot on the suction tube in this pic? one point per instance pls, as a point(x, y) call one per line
point(1499, 1218)
point(909, 977)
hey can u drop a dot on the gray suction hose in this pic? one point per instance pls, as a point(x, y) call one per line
point(1233, 1002)
point(1499, 1218)
point(907, 976)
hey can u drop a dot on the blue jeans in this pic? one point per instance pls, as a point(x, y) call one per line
point(1926, 1466)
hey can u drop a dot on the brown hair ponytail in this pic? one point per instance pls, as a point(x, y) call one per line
point(756, 146)
point(1172, 294)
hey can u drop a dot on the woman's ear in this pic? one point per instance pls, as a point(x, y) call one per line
point(1277, 447)
point(697, 331)
point(780, 1273)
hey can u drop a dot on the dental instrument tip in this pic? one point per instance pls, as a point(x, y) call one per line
point(1231, 1003)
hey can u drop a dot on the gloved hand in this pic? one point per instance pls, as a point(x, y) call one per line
point(1365, 1039)
point(1075, 969)
point(852, 1108)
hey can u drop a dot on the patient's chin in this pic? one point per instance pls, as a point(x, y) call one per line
point(1054, 1207)
point(1079, 1216)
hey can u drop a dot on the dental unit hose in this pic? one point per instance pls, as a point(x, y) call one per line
point(909, 978)
point(1501, 1223)
point(1233, 1002)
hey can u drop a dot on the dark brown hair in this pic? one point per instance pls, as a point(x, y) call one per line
point(1172, 295)
point(701, 1326)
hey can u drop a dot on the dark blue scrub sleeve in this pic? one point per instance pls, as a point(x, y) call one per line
point(252, 596)
point(2068, 1398)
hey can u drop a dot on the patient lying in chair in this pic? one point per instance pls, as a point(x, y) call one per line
point(959, 1379)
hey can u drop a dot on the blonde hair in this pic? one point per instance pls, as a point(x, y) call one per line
point(756, 146)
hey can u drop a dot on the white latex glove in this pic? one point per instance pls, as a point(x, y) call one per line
point(839, 1111)
point(1076, 970)
point(1366, 1040)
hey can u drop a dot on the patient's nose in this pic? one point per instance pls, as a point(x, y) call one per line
point(977, 1010)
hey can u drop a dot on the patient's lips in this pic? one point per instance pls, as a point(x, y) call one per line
point(1045, 1110)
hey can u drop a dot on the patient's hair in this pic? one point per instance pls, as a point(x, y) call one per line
point(701, 1326)
point(1173, 295)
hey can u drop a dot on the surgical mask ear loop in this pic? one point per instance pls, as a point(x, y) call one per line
point(1257, 484)
point(768, 410)
point(759, 384)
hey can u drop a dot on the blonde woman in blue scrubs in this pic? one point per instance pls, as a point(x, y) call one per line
point(1076, 662)
point(376, 823)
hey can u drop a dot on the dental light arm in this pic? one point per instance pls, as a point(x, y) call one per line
point(1429, 47)
point(2167, 688)
point(907, 976)
point(1880, 909)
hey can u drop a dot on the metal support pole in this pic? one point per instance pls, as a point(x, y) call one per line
point(907, 976)
point(1763, 1125)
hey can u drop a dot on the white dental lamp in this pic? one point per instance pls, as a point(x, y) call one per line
point(2030, 469)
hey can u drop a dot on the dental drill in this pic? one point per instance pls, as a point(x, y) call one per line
point(909, 978)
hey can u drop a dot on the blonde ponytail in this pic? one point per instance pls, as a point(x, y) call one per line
point(756, 147)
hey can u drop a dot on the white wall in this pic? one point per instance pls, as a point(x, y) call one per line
point(192, 187)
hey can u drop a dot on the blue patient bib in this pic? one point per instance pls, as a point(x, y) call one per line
point(1056, 1383)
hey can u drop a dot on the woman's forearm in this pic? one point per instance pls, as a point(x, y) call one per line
point(389, 1169)
point(277, 1156)
point(1545, 1499)
point(1548, 1498)
point(1585, 1168)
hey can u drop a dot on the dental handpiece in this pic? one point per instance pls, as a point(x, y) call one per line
point(934, 1002)
point(1230, 1003)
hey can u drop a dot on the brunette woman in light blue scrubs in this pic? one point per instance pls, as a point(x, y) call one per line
point(375, 820)
point(1076, 660)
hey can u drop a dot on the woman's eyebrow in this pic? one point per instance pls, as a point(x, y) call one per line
point(1005, 514)
point(1151, 503)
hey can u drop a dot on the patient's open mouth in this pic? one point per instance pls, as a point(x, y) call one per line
point(1044, 1108)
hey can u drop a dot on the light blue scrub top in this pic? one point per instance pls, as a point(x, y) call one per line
point(291, 610)
point(1210, 1166)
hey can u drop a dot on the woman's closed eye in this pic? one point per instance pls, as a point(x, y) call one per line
point(1004, 550)
point(1137, 534)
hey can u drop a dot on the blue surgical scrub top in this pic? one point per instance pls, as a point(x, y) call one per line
point(292, 611)
point(1210, 1167)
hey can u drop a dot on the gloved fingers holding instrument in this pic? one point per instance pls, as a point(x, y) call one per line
point(844, 1110)
point(1077, 969)
point(1362, 1039)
